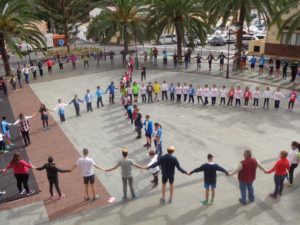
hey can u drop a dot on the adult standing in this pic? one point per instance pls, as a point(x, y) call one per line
point(126, 173)
point(73, 59)
point(168, 162)
point(155, 54)
point(44, 116)
point(261, 65)
point(277, 67)
point(285, 66)
point(24, 127)
point(25, 71)
point(21, 172)
point(49, 63)
point(33, 70)
point(41, 70)
point(76, 102)
point(19, 75)
point(111, 88)
point(294, 70)
point(4, 86)
point(246, 175)
point(86, 165)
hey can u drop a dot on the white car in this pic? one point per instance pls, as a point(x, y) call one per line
point(25, 47)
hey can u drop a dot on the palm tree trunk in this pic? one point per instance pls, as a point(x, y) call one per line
point(5, 58)
point(125, 39)
point(66, 32)
point(239, 37)
point(179, 42)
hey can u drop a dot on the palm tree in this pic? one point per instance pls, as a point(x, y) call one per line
point(122, 19)
point(181, 16)
point(17, 23)
point(225, 9)
point(293, 19)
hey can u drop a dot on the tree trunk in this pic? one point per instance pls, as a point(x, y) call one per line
point(239, 37)
point(179, 42)
point(125, 39)
point(5, 58)
point(66, 32)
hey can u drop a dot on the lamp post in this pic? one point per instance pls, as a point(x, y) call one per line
point(228, 49)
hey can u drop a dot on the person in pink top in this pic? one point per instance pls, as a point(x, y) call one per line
point(21, 172)
point(73, 59)
point(247, 96)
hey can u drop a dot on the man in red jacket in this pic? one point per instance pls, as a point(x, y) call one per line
point(246, 175)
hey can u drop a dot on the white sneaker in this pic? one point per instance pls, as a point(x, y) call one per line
point(22, 192)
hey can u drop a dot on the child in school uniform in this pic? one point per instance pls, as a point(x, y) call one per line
point(277, 95)
point(256, 96)
point(153, 159)
point(185, 90)
point(267, 95)
point(214, 93)
point(230, 96)
point(143, 92)
point(292, 99)
point(238, 95)
point(223, 93)
point(199, 94)
point(247, 96)
point(206, 94)
point(178, 90)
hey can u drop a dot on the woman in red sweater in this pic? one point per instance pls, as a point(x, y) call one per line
point(21, 171)
point(281, 169)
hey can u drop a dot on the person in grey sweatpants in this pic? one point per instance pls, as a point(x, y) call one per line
point(126, 172)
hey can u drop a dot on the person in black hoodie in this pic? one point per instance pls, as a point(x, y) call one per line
point(210, 176)
point(52, 175)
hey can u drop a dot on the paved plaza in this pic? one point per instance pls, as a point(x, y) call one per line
point(195, 131)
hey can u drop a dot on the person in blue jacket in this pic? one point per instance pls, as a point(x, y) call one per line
point(172, 91)
point(75, 101)
point(88, 98)
point(111, 88)
point(191, 94)
point(98, 95)
point(148, 124)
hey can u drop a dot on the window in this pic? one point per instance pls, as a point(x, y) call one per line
point(294, 39)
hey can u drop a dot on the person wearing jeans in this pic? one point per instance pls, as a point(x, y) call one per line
point(280, 168)
point(88, 99)
point(111, 88)
point(21, 171)
point(246, 175)
point(75, 101)
point(24, 127)
point(98, 95)
point(126, 172)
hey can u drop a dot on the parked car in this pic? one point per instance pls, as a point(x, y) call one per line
point(217, 41)
point(168, 39)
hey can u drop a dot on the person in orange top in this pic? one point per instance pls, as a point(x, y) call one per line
point(280, 168)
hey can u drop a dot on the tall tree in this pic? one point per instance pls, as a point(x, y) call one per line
point(118, 18)
point(66, 15)
point(181, 16)
point(291, 10)
point(17, 23)
point(225, 9)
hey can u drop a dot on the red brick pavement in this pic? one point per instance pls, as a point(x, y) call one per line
point(55, 143)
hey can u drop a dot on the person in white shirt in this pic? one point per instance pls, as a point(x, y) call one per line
point(25, 71)
point(256, 96)
point(86, 166)
point(178, 91)
point(143, 92)
point(199, 93)
point(61, 111)
point(293, 158)
point(185, 91)
point(2, 144)
point(267, 95)
point(223, 94)
point(164, 90)
point(154, 170)
point(238, 95)
point(206, 94)
point(277, 95)
point(214, 92)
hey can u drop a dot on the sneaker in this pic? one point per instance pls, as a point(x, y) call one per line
point(162, 201)
point(22, 192)
point(170, 201)
point(30, 193)
point(211, 202)
point(62, 196)
point(2, 192)
point(124, 198)
point(86, 198)
point(133, 198)
point(204, 202)
point(96, 197)
point(272, 195)
point(242, 202)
